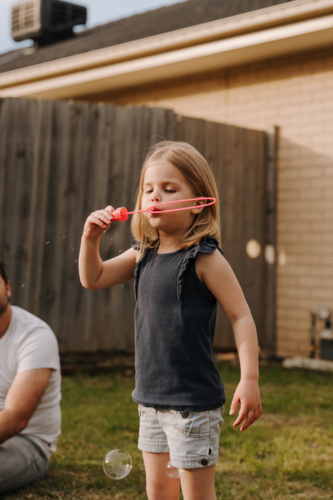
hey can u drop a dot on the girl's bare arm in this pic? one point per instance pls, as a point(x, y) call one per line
point(94, 273)
point(216, 273)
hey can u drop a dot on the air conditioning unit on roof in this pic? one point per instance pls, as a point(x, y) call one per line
point(46, 21)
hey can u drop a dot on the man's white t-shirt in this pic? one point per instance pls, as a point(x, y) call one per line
point(29, 344)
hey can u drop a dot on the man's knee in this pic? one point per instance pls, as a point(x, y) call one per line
point(21, 463)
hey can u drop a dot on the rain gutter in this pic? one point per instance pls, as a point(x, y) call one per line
point(241, 39)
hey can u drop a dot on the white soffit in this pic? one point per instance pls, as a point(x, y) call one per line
point(211, 56)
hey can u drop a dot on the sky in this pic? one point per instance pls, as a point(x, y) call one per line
point(99, 12)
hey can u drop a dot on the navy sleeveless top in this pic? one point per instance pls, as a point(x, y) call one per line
point(175, 318)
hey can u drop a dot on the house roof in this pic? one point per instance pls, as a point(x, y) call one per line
point(155, 22)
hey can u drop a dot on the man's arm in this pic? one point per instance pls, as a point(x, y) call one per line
point(21, 401)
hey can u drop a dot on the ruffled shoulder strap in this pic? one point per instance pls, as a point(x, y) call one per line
point(207, 245)
point(136, 278)
point(138, 268)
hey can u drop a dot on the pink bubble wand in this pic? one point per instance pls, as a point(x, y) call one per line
point(121, 214)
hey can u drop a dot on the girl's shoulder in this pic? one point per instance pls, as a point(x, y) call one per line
point(208, 244)
point(210, 259)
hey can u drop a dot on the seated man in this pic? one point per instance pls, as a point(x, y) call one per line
point(29, 393)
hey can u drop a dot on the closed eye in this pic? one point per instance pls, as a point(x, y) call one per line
point(166, 190)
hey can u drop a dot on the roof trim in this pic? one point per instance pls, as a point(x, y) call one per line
point(132, 63)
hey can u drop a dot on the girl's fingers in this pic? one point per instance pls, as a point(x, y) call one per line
point(102, 216)
point(240, 418)
point(98, 221)
point(250, 418)
point(234, 405)
point(109, 211)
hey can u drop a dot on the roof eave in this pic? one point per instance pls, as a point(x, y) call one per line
point(235, 50)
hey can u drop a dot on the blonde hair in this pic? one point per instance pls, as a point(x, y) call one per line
point(199, 175)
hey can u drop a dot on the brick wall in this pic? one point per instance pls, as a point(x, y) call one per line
point(295, 93)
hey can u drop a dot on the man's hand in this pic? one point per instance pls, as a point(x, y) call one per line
point(21, 401)
point(248, 395)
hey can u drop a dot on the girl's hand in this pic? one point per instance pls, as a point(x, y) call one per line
point(248, 395)
point(98, 222)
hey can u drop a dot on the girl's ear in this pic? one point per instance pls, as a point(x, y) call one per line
point(197, 211)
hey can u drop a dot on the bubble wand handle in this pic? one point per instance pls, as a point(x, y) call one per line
point(121, 214)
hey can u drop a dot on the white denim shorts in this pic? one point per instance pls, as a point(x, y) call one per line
point(191, 438)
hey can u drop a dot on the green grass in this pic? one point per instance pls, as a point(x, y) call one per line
point(286, 454)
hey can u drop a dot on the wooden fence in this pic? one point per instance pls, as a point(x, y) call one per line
point(60, 161)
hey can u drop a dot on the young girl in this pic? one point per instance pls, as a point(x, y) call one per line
point(180, 275)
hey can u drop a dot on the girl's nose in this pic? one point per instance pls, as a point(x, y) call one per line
point(155, 197)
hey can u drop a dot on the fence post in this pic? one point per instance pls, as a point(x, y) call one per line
point(270, 244)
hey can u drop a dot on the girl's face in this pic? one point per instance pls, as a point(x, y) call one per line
point(162, 183)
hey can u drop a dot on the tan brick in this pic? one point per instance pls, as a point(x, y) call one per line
point(322, 271)
point(322, 294)
point(290, 270)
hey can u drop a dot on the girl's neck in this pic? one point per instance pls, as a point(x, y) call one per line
point(168, 243)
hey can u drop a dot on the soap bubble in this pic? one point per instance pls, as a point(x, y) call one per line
point(172, 471)
point(117, 464)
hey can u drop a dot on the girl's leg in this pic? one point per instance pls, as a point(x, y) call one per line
point(159, 485)
point(198, 484)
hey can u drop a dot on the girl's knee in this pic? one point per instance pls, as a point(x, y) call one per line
point(160, 491)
